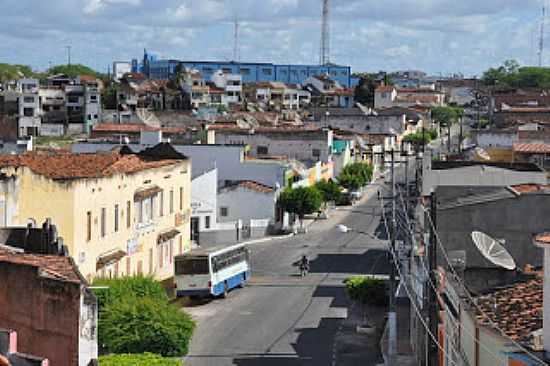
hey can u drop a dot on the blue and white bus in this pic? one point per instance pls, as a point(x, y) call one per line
point(212, 272)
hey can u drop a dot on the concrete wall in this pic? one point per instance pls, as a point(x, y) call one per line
point(486, 139)
point(296, 145)
point(44, 312)
point(87, 340)
point(369, 124)
point(244, 204)
point(514, 219)
point(204, 191)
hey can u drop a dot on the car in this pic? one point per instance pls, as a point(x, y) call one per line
point(346, 199)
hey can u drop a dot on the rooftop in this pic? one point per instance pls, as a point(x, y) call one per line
point(51, 266)
point(62, 165)
point(521, 167)
point(131, 127)
point(532, 148)
point(250, 185)
point(517, 310)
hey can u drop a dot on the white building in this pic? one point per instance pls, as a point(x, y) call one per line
point(120, 68)
point(29, 107)
point(204, 190)
point(232, 84)
point(247, 205)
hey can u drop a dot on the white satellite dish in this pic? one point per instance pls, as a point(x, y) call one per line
point(493, 250)
point(482, 153)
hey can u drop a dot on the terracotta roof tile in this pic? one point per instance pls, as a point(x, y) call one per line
point(385, 89)
point(532, 148)
point(58, 267)
point(131, 127)
point(74, 166)
point(517, 310)
point(543, 238)
point(251, 185)
point(530, 188)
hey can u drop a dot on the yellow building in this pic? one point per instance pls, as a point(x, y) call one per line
point(119, 213)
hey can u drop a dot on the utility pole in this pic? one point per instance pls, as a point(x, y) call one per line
point(392, 316)
point(541, 38)
point(432, 295)
point(324, 57)
point(236, 55)
point(68, 55)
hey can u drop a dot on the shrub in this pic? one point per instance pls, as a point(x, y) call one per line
point(135, 325)
point(329, 190)
point(125, 287)
point(368, 291)
point(144, 359)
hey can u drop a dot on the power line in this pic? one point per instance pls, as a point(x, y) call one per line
point(407, 290)
point(472, 300)
point(434, 287)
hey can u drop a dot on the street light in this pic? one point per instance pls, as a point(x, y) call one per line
point(345, 229)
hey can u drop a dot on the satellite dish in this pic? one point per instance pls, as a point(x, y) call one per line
point(482, 153)
point(493, 251)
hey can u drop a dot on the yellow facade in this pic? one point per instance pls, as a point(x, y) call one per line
point(148, 241)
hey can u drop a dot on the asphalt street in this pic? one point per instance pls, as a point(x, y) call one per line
point(280, 318)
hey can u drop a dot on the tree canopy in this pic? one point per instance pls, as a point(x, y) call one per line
point(330, 191)
point(355, 175)
point(447, 115)
point(301, 201)
point(364, 91)
point(73, 70)
point(12, 72)
point(511, 74)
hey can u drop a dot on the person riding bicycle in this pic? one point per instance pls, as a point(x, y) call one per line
point(304, 262)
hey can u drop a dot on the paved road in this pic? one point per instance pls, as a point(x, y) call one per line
point(282, 319)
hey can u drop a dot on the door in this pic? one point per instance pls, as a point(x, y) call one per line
point(195, 229)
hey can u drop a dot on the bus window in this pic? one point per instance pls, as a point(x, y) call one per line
point(192, 266)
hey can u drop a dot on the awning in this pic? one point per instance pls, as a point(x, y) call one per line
point(146, 193)
point(109, 258)
point(164, 237)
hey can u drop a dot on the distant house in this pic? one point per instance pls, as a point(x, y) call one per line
point(389, 96)
point(328, 92)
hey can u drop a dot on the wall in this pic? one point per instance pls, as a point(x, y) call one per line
point(87, 340)
point(486, 139)
point(292, 145)
point(512, 219)
point(204, 190)
point(239, 200)
point(44, 312)
point(369, 124)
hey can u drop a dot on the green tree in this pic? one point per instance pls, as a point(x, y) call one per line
point(355, 175)
point(329, 189)
point(301, 201)
point(136, 325)
point(13, 72)
point(113, 290)
point(364, 91)
point(350, 181)
point(73, 70)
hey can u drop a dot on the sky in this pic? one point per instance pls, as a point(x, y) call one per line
point(437, 36)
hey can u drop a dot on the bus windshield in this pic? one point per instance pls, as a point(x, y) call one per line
point(192, 266)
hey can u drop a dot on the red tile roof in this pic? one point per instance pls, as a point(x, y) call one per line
point(58, 267)
point(87, 79)
point(532, 148)
point(516, 310)
point(530, 188)
point(133, 128)
point(385, 89)
point(76, 166)
point(251, 185)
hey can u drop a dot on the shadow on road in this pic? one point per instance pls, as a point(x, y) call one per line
point(373, 261)
point(316, 346)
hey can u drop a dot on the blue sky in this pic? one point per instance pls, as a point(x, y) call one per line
point(438, 36)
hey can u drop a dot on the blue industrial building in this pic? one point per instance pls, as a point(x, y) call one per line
point(251, 72)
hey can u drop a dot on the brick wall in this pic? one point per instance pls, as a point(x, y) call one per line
point(44, 312)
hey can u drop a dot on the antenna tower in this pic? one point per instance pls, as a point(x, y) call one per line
point(236, 55)
point(541, 39)
point(325, 34)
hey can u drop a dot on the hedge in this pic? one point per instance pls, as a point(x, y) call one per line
point(136, 325)
point(125, 287)
point(368, 291)
point(144, 359)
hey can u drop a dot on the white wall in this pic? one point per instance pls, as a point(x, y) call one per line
point(121, 68)
point(485, 139)
point(87, 341)
point(204, 189)
point(244, 204)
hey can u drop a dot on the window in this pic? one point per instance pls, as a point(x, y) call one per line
point(28, 112)
point(207, 222)
point(245, 71)
point(181, 198)
point(128, 266)
point(196, 265)
point(267, 71)
point(180, 239)
point(128, 217)
point(89, 117)
point(72, 99)
point(161, 203)
point(224, 211)
point(160, 255)
point(93, 98)
point(28, 99)
point(226, 70)
point(262, 150)
point(316, 152)
point(116, 218)
point(207, 70)
point(103, 222)
point(95, 116)
point(171, 201)
point(89, 225)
